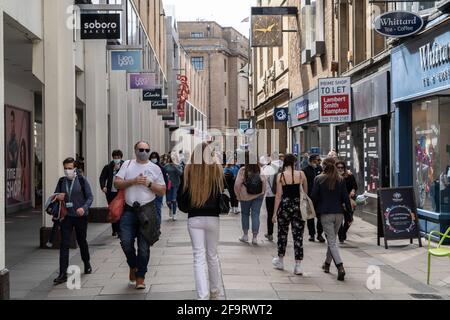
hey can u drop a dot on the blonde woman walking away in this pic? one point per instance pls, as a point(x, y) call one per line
point(201, 187)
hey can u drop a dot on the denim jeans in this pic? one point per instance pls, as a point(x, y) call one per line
point(129, 231)
point(251, 208)
point(172, 199)
point(158, 203)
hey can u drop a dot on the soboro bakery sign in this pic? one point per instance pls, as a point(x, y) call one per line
point(105, 26)
point(398, 24)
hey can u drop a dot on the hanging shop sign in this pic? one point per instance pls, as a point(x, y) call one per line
point(183, 95)
point(244, 124)
point(100, 26)
point(398, 24)
point(335, 100)
point(152, 95)
point(397, 215)
point(126, 61)
point(281, 114)
point(144, 81)
point(159, 104)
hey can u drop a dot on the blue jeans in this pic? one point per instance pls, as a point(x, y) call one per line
point(251, 208)
point(129, 231)
point(172, 199)
point(158, 203)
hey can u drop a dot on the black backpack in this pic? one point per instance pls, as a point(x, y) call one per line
point(254, 184)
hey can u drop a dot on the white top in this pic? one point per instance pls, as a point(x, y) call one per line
point(141, 194)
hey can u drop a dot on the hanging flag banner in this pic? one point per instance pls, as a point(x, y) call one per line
point(100, 26)
point(335, 100)
point(126, 60)
point(152, 95)
point(183, 95)
point(144, 81)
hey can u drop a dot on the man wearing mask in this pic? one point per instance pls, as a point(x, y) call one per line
point(76, 193)
point(142, 181)
point(107, 182)
point(311, 172)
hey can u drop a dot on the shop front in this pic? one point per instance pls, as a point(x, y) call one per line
point(308, 135)
point(421, 93)
point(364, 143)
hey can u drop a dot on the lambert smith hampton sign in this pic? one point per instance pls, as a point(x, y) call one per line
point(398, 24)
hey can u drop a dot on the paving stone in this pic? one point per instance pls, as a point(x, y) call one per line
point(172, 287)
point(232, 294)
point(179, 295)
point(122, 289)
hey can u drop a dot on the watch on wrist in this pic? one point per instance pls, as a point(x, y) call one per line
point(150, 185)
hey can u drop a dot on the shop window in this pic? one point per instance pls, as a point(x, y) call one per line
point(431, 153)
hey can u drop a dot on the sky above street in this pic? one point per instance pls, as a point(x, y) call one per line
point(229, 13)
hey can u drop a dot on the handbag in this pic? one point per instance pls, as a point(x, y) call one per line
point(224, 203)
point(116, 207)
point(306, 206)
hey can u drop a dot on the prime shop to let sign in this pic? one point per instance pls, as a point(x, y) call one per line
point(335, 100)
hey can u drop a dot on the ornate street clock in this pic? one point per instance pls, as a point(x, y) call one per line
point(267, 31)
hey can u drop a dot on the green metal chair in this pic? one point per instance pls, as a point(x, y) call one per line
point(440, 251)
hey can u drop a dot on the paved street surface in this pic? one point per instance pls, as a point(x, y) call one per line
point(246, 270)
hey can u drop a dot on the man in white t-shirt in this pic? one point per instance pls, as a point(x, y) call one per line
point(142, 181)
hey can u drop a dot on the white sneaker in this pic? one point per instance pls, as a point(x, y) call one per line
point(214, 295)
point(278, 263)
point(244, 238)
point(298, 270)
point(255, 241)
point(49, 245)
point(174, 218)
point(170, 215)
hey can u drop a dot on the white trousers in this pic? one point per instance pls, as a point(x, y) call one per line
point(204, 232)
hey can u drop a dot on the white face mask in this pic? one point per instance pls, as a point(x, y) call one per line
point(70, 174)
point(155, 161)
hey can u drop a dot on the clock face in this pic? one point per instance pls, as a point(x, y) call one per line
point(267, 31)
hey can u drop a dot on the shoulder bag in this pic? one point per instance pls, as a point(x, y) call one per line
point(306, 205)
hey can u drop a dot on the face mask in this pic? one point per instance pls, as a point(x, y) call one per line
point(155, 161)
point(70, 174)
point(142, 156)
point(117, 161)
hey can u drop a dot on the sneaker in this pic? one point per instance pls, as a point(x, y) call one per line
point(255, 241)
point(321, 239)
point(87, 268)
point(311, 239)
point(236, 210)
point(140, 284)
point(214, 295)
point(269, 237)
point(244, 238)
point(326, 267)
point(298, 270)
point(174, 218)
point(341, 273)
point(170, 215)
point(278, 263)
point(49, 245)
point(133, 276)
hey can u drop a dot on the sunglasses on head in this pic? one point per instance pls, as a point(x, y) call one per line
point(144, 150)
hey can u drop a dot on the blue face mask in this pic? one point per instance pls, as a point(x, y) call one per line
point(117, 161)
point(155, 161)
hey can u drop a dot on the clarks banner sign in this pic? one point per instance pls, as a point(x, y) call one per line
point(398, 24)
point(100, 26)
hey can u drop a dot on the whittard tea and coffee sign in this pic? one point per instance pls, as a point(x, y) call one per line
point(398, 24)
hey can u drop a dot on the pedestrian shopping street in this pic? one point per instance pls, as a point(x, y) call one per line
point(247, 271)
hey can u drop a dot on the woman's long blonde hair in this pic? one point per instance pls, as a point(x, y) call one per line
point(203, 175)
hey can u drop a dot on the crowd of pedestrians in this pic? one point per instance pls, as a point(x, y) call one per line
point(297, 194)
